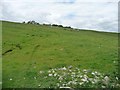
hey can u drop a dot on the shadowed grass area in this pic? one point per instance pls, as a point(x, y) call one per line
point(30, 48)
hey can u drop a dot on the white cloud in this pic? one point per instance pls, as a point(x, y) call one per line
point(97, 1)
point(97, 14)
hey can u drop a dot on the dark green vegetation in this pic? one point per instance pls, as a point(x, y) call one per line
point(28, 48)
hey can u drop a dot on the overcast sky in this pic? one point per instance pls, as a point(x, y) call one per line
point(99, 15)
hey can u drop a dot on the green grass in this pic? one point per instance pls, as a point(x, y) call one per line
point(0, 55)
point(40, 47)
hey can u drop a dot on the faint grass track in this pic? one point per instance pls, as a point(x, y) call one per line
point(34, 50)
point(30, 72)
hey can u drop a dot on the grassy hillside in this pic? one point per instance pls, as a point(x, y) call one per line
point(28, 49)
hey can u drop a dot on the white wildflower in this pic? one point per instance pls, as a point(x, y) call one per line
point(74, 70)
point(60, 78)
point(118, 85)
point(78, 76)
point(49, 71)
point(77, 68)
point(81, 76)
point(103, 87)
point(85, 76)
point(69, 82)
point(34, 77)
point(50, 75)
point(73, 73)
point(53, 71)
point(63, 84)
point(114, 61)
point(64, 68)
point(10, 79)
point(79, 72)
point(70, 70)
point(90, 79)
point(58, 84)
point(96, 72)
point(81, 83)
point(96, 77)
point(65, 87)
point(84, 70)
point(93, 82)
point(84, 79)
point(55, 74)
point(106, 80)
point(41, 72)
point(93, 73)
point(116, 78)
point(74, 82)
point(70, 66)
point(39, 85)
point(64, 74)
point(58, 75)
point(45, 77)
